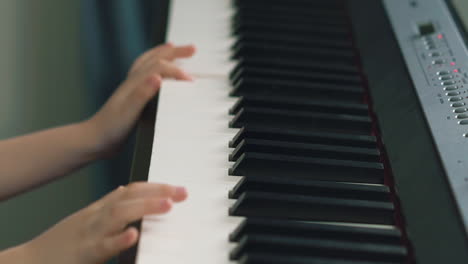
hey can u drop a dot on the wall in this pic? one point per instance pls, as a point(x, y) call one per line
point(42, 85)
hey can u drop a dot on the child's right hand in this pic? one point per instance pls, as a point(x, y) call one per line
point(98, 232)
point(111, 125)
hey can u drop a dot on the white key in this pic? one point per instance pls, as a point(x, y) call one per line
point(205, 23)
point(191, 149)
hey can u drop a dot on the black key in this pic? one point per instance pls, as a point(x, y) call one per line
point(303, 137)
point(304, 150)
point(291, 28)
point(293, 64)
point(301, 89)
point(301, 229)
point(256, 50)
point(302, 120)
point(310, 187)
point(295, 75)
point(267, 165)
point(318, 248)
point(267, 38)
point(329, 4)
point(248, 16)
point(299, 104)
point(272, 258)
point(312, 208)
point(291, 11)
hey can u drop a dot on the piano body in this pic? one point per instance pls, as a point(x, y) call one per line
point(315, 132)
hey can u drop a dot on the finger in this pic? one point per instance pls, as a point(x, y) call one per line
point(145, 190)
point(178, 52)
point(143, 59)
point(156, 190)
point(169, 70)
point(167, 52)
point(108, 198)
point(113, 245)
point(123, 213)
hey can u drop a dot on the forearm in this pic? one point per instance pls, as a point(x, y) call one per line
point(17, 255)
point(30, 160)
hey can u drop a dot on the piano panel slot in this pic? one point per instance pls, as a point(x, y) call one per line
point(303, 229)
point(291, 167)
point(299, 104)
point(305, 121)
point(318, 248)
point(304, 137)
point(312, 208)
point(311, 187)
point(304, 150)
point(300, 89)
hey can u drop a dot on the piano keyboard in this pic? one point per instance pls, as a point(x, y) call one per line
point(305, 179)
point(279, 146)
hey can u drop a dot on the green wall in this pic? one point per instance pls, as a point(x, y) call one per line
point(42, 85)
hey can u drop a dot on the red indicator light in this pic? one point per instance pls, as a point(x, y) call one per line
point(453, 63)
point(456, 71)
point(440, 36)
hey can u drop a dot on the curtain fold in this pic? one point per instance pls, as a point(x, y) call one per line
point(114, 33)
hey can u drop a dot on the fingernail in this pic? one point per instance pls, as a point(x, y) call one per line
point(181, 191)
point(164, 203)
point(189, 78)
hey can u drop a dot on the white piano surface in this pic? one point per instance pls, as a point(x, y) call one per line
point(205, 23)
point(191, 144)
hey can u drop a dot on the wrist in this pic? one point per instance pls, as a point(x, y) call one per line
point(91, 143)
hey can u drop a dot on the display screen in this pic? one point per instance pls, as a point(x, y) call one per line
point(461, 7)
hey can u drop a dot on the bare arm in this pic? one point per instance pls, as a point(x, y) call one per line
point(31, 160)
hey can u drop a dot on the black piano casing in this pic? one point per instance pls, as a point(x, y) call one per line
point(432, 220)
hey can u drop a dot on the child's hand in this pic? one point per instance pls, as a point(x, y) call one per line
point(112, 124)
point(98, 232)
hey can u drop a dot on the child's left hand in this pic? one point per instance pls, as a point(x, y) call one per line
point(112, 124)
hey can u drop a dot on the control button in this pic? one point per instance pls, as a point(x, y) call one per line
point(451, 88)
point(460, 110)
point(453, 93)
point(447, 83)
point(429, 42)
point(430, 47)
point(463, 122)
point(462, 116)
point(426, 28)
point(446, 78)
point(438, 62)
point(442, 73)
point(459, 104)
point(434, 54)
point(455, 99)
point(426, 38)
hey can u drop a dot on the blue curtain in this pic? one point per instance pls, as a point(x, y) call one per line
point(114, 33)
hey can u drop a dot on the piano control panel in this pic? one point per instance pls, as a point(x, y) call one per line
point(437, 59)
